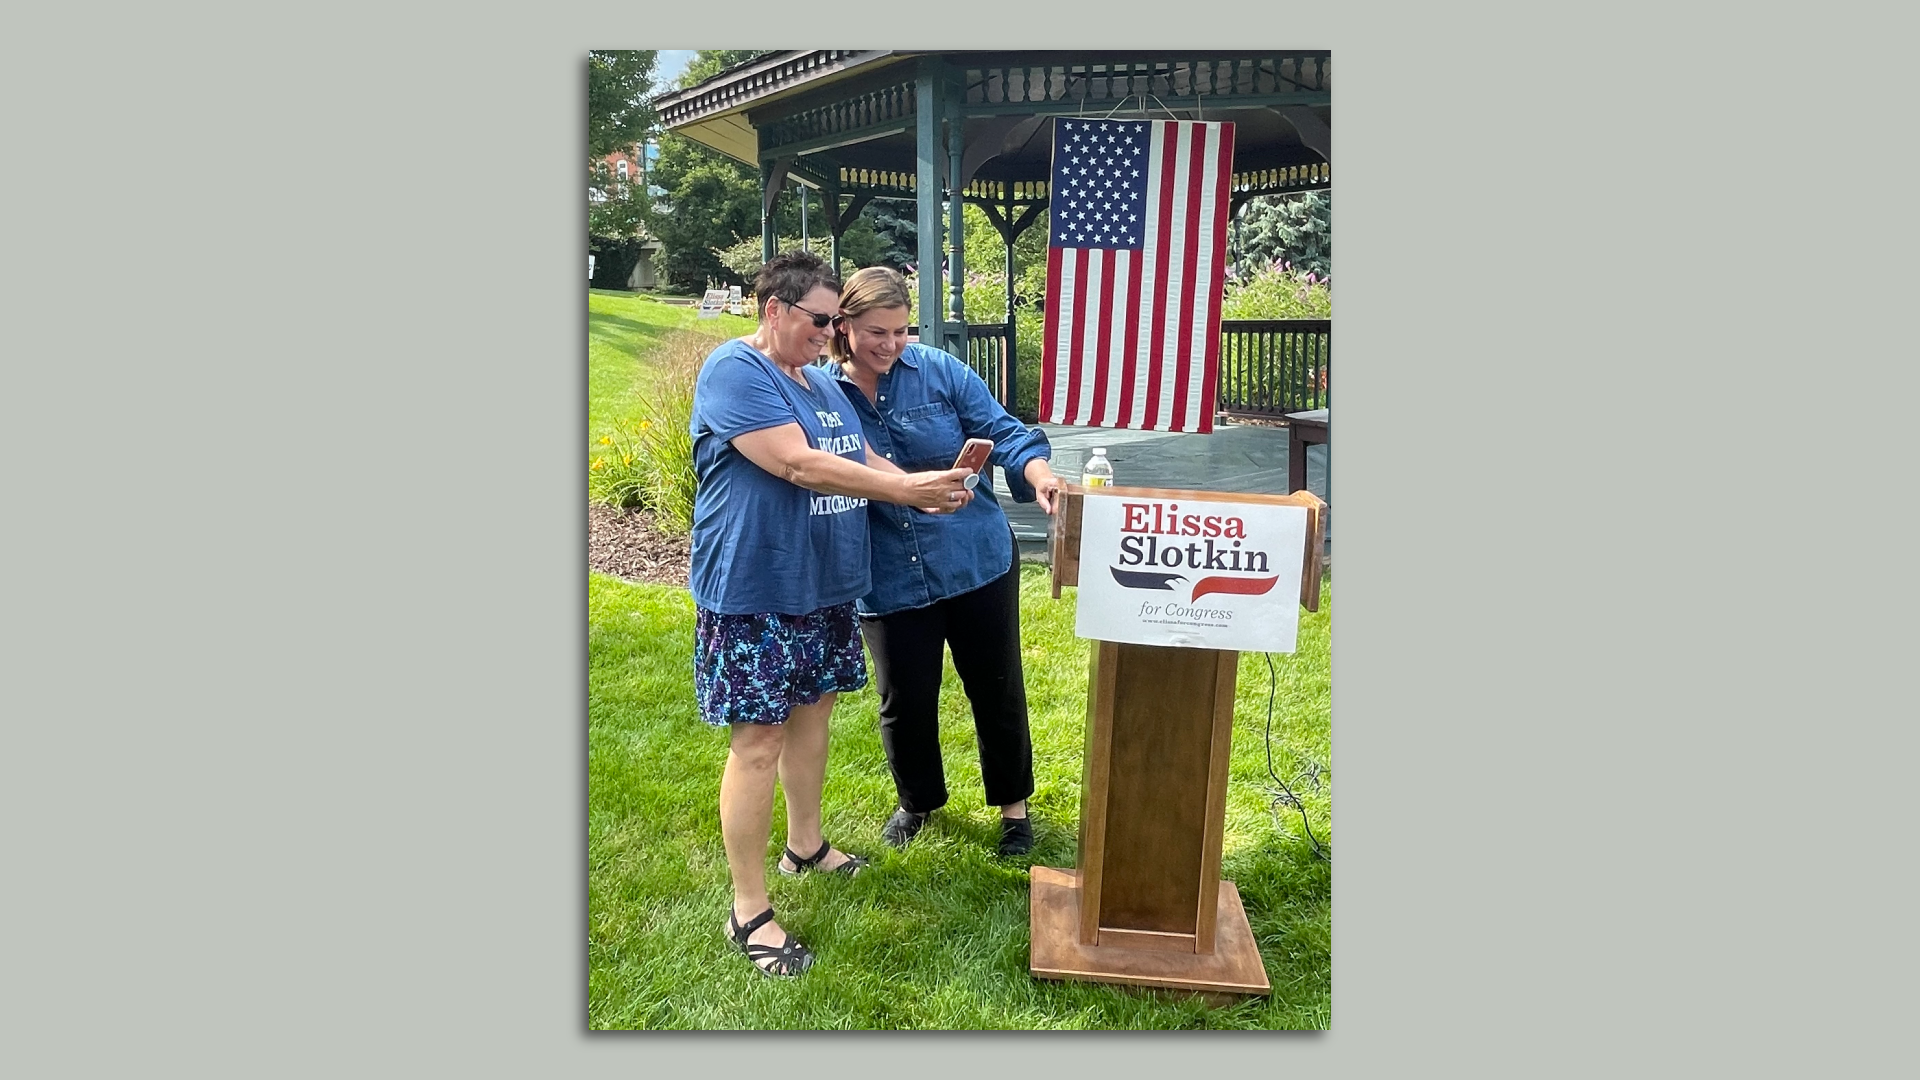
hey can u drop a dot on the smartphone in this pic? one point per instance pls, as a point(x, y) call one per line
point(973, 458)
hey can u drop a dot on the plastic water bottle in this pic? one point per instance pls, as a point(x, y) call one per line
point(1098, 471)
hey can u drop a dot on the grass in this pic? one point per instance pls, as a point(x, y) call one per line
point(934, 937)
point(622, 329)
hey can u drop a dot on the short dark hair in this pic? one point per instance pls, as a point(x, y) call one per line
point(790, 276)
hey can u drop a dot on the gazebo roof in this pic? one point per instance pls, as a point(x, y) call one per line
point(845, 118)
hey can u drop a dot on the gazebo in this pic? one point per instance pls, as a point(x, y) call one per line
point(858, 125)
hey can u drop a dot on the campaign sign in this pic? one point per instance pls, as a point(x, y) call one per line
point(714, 302)
point(1192, 573)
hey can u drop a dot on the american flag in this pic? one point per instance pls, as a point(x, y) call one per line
point(1136, 261)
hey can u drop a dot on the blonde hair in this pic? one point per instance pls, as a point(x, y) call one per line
point(867, 290)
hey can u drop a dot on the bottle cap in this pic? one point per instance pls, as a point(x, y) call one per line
point(1099, 449)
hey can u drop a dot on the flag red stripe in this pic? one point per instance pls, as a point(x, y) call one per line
point(1047, 351)
point(1092, 369)
point(1156, 355)
point(1102, 355)
point(1079, 332)
point(1209, 387)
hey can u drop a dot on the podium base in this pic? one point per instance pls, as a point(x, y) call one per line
point(1054, 927)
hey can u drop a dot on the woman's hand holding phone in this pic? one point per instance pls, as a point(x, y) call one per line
point(973, 457)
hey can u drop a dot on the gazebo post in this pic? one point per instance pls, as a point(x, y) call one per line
point(954, 330)
point(1009, 367)
point(926, 196)
point(1006, 188)
point(769, 189)
point(830, 203)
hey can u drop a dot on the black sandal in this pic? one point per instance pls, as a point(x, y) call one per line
point(790, 958)
point(852, 866)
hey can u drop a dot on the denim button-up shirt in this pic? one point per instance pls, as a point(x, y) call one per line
point(929, 404)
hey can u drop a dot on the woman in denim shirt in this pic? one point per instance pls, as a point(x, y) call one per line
point(949, 580)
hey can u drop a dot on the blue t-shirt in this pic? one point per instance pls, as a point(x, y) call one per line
point(761, 544)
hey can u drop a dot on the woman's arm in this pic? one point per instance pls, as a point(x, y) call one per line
point(1020, 450)
point(784, 452)
point(1040, 476)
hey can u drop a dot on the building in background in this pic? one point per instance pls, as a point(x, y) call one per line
point(633, 166)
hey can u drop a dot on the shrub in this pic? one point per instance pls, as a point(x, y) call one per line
point(1279, 291)
point(744, 258)
point(649, 461)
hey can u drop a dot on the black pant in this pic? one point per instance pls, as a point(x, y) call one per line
point(982, 628)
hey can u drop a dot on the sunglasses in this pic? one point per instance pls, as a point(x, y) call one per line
point(819, 320)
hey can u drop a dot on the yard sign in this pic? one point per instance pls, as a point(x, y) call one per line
point(1201, 575)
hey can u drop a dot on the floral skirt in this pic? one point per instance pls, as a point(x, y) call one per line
point(753, 669)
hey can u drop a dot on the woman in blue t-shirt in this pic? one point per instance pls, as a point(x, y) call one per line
point(779, 557)
point(948, 583)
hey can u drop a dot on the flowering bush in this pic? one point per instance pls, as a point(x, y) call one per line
point(649, 461)
point(983, 292)
point(1279, 291)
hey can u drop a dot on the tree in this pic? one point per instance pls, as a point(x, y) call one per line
point(707, 63)
point(619, 100)
point(894, 225)
point(861, 246)
point(620, 116)
point(711, 203)
point(712, 206)
point(1296, 228)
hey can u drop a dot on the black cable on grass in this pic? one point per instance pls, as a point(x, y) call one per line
point(1273, 688)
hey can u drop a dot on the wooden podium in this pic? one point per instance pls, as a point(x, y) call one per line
point(1145, 905)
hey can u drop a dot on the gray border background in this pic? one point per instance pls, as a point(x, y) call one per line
point(293, 740)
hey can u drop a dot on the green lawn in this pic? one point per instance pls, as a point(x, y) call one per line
point(934, 937)
point(621, 329)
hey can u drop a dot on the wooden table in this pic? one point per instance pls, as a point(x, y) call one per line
point(1304, 428)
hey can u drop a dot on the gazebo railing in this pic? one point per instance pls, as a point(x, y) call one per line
point(1269, 367)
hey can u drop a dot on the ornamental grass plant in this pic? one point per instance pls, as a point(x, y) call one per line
point(647, 460)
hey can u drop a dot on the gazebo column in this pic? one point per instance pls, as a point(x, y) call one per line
point(926, 195)
point(1010, 370)
point(1008, 238)
point(954, 331)
point(773, 173)
point(842, 218)
point(830, 206)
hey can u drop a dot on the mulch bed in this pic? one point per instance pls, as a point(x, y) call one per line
point(625, 544)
